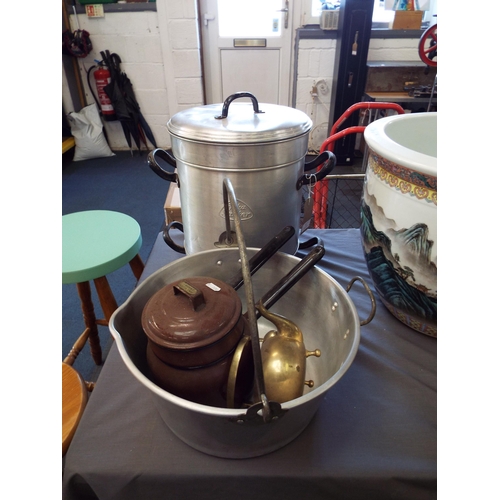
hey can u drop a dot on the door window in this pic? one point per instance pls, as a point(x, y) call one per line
point(258, 18)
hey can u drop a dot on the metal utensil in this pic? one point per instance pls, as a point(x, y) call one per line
point(263, 255)
point(267, 300)
point(268, 411)
point(284, 358)
point(292, 277)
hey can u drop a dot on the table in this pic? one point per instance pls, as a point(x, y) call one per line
point(374, 435)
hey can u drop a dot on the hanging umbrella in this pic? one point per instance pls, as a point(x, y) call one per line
point(128, 112)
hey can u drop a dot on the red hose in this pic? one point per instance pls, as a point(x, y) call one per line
point(320, 197)
point(328, 143)
point(364, 105)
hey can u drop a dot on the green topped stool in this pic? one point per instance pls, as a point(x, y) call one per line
point(94, 244)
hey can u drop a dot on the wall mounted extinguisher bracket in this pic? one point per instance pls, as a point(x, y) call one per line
point(102, 77)
point(320, 197)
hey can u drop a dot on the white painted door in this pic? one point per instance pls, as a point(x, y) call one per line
point(247, 47)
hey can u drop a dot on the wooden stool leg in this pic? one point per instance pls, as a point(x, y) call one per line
point(77, 348)
point(106, 297)
point(137, 266)
point(90, 321)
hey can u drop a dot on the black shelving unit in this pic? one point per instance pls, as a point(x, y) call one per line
point(350, 70)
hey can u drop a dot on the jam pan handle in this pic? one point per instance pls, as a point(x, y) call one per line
point(370, 294)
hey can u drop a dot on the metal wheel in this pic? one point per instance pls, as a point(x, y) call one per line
point(427, 47)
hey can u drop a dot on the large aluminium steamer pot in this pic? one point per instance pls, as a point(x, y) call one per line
point(317, 303)
point(261, 149)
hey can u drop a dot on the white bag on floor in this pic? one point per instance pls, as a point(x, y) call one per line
point(86, 128)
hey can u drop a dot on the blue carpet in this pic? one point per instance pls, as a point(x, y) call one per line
point(124, 184)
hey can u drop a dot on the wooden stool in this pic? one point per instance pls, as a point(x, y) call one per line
point(74, 400)
point(75, 393)
point(94, 244)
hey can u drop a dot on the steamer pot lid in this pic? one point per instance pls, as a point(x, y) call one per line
point(191, 313)
point(241, 126)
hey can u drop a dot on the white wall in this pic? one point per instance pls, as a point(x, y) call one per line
point(315, 67)
point(161, 56)
point(393, 49)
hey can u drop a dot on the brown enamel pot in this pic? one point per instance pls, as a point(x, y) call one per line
point(194, 322)
point(207, 384)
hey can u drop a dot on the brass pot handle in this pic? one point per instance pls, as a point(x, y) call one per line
point(233, 370)
point(370, 294)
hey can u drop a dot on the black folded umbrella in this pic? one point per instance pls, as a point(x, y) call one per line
point(125, 104)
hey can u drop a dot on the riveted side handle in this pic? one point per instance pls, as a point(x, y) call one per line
point(155, 167)
point(238, 95)
point(168, 239)
point(327, 159)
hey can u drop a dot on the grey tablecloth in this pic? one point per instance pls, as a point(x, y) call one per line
point(374, 435)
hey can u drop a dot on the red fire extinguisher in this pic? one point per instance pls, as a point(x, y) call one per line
point(102, 78)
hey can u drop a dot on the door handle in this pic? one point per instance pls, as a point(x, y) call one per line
point(285, 10)
point(207, 17)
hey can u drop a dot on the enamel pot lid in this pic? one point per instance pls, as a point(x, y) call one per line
point(192, 313)
point(240, 123)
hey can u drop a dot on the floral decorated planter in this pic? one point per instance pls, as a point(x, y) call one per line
point(399, 216)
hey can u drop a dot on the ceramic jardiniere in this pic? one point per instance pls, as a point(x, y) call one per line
point(399, 216)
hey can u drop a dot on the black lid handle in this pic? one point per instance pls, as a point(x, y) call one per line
point(238, 95)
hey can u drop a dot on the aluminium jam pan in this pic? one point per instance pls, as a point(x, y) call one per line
point(317, 303)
